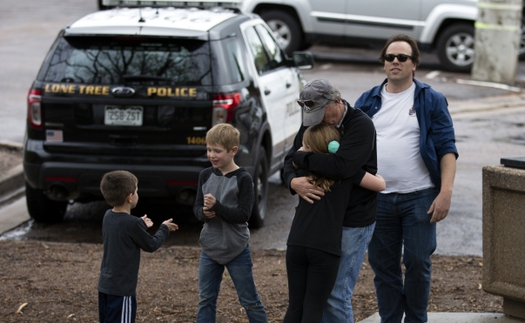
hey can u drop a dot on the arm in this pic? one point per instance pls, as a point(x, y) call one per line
point(288, 168)
point(442, 133)
point(147, 221)
point(146, 241)
point(299, 185)
point(242, 211)
point(198, 209)
point(171, 226)
point(441, 205)
point(373, 182)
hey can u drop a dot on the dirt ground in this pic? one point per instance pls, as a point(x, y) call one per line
point(57, 282)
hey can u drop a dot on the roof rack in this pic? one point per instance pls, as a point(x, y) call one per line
point(230, 4)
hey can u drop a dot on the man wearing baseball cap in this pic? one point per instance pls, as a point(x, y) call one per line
point(322, 103)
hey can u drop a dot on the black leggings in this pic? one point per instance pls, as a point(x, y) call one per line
point(311, 276)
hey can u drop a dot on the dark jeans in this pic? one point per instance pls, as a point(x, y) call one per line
point(403, 230)
point(311, 276)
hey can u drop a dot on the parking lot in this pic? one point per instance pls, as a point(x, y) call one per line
point(489, 130)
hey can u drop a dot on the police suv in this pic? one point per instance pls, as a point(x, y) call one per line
point(136, 88)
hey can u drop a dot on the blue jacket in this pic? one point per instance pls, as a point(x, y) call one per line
point(437, 131)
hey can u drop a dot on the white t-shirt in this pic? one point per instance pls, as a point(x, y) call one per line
point(398, 133)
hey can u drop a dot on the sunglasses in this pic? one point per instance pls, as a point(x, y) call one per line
point(308, 104)
point(401, 57)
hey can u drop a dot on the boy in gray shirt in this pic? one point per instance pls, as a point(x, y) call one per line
point(224, 203)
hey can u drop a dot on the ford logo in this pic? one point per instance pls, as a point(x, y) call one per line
point(122, 91)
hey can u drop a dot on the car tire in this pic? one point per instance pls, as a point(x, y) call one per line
point(286, 29)
point(41, 208)
point(260, 190)
point(455, 48)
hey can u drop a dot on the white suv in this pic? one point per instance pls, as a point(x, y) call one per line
point(441, 25)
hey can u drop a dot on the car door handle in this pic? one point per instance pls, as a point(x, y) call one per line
point(267, 92)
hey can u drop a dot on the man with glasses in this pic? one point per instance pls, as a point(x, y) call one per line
point(416, 155)
point(322, 103)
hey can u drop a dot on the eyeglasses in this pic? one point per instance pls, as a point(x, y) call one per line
point(308, 104)
point(401, 57)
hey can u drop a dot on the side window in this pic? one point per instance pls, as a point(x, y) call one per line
point(233, 61)
point(276, 55)
point(256, 47)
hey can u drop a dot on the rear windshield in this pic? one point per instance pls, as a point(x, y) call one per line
point(128, 60)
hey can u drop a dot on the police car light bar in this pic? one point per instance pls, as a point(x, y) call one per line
point(233, 4)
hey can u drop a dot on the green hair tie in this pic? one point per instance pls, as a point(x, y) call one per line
point(333, 146)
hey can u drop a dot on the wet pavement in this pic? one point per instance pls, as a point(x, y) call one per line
point(488, 120)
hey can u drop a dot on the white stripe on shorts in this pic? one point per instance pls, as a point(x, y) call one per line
point(126, 310)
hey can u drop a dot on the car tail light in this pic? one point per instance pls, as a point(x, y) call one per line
point(224, 105)
point(34, 108)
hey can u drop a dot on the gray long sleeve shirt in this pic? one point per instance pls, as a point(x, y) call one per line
point(226, 235)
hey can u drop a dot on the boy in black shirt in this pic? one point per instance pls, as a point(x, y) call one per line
point(123, 236)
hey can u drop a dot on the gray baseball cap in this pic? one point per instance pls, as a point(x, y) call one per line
point(314, 97)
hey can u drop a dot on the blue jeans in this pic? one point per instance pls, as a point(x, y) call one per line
point(403, 229)
point(240, 270)
point(353, 248)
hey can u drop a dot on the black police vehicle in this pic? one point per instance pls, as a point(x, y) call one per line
point(137, 89)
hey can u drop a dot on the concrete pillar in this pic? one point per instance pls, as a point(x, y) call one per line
point(504, 235)
point(497, 41)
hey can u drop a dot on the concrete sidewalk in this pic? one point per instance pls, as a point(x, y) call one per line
point(459, 318)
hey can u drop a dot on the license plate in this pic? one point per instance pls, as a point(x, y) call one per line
point(123, 116)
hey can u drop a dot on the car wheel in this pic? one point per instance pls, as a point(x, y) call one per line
point(455, 48)
point(41, 208)
point(286, 29)
point(260, 181)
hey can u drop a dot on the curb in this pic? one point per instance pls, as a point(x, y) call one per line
point(9, 144)
point(459, 318)
point(12, 181)
point(491, 103)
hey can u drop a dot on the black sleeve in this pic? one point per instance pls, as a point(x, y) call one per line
point(199, 199)
point(146, 241)
point(242, 212)
point(289, 171)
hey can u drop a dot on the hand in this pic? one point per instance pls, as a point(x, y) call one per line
point(440, 207)
point(208, 213)
point(209, 201)
point(306, 190)
point(171, 226)
point(147, 220)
